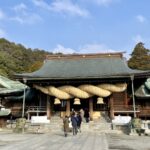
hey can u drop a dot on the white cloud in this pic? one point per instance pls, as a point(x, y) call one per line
point(27, 19)
point(103, 2)
point(69, 7)
point(88, 48)
point(2, 15)
point(20, 7)
point(2, 33)
point(62, 49)
point(42, 4)
point(95, 48)
point(62, 6)
point(138, 38)
point(140, 18)
point(24, 16)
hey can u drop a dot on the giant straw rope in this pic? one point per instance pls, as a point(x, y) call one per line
point(83, 91)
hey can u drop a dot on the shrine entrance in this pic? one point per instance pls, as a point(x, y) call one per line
point(84, 104)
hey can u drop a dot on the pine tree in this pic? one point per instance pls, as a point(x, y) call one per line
point(140, 58)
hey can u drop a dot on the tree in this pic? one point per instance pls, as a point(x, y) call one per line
point(37, 65)
point(15, 58)
point(140, 58)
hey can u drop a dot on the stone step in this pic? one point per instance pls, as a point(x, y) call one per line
point(56, 124)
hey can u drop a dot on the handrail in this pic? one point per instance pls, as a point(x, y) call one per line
point(125, 108)
point(36, 108)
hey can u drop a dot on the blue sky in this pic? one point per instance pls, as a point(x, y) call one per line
point(81, 26)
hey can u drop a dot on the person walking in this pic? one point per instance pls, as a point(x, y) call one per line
point(74, 124)
point(79, 120)
point(82, 114)
point(66, 125)
point(86, 115)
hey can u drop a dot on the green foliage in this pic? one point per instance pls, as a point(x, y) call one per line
point(35, 66)
point(15, 58)
point(140, 58)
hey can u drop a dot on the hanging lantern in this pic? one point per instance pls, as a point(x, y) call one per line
point(57, 101)
point(76, 101)
point(100, 100)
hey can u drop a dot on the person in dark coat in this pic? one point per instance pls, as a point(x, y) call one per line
point(74, 124)
point(66, 125)
point(86, 115)
point(79, 120)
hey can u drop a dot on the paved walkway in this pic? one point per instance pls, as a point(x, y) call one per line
point(53, 141)
point(82, 141)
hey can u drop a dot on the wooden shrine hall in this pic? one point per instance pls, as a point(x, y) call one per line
point(99, 83)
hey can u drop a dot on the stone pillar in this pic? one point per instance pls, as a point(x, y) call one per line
point(133, 98)
point(68, 108)
point(48, 109)
point(91, 108)
point(111, 102)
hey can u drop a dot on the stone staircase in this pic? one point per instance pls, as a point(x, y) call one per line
point(100, 125)
point(56, 124)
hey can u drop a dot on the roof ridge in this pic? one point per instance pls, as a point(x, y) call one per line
point(84, 56)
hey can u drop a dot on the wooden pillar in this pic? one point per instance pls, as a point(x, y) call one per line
point(48, 108)
point(125, 98)
point(68, 108)
point(111, 107)
point(37, 112)
point(91, 108)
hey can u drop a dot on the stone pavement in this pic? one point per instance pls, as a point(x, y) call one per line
point(53, 141)
point(82, 141)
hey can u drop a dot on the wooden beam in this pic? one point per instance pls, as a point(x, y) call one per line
point(48, 108)
point(111, 107)
point(91, 108)
point(68, 108)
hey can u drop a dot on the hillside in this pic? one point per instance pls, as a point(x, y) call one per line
point(15, 58)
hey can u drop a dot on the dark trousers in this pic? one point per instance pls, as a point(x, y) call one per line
point(79, 128)
point(87, 119)
point(74, 130)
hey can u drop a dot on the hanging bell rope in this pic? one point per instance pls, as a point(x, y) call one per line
point(57, 101)
point(100, 100)
point(77, 101)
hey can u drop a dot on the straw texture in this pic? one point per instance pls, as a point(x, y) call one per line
point(83, 91)
point(76, 92)
point(94, 90)
point(113, 88)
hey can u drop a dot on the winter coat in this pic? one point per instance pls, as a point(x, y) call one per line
point(74, 121)
point(66, 124)
point(79, 120)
